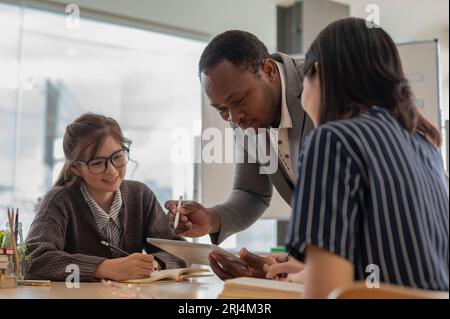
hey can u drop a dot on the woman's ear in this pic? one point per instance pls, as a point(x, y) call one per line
point(315, 74)
point(316, 67)
point(75, 170)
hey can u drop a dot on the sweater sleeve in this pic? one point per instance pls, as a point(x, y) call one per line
point(46, 258)
point(158, 227)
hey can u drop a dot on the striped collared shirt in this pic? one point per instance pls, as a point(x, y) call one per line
point(108, 224)
point(375, 194)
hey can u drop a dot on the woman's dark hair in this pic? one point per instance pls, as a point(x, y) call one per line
point(83, 138)
point(360, 67)
point(241, 48)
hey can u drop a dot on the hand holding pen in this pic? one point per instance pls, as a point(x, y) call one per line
point(131, 266)
point(191, 219)
point(156, 265)
point(281, 267)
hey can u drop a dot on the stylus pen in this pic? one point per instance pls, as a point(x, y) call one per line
point(114, 248)
point(177, 215)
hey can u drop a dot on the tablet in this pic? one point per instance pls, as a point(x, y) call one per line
point(194, 253)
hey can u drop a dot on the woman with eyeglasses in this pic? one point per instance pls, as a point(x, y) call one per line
point(371, 201)
point(90, 203)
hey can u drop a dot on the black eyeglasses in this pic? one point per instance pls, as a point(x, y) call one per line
point(99, 165)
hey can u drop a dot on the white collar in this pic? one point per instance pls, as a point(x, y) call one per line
point(285, 119)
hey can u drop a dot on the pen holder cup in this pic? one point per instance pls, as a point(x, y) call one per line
point(8, 278)
point(7, 281)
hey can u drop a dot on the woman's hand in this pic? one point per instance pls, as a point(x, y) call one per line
point(135, 266)
point(291, 270)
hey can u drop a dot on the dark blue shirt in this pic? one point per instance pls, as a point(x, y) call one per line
point(374, 194)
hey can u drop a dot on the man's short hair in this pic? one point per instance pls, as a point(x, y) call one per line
point(241, 48)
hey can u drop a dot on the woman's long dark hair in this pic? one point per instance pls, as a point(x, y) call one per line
point(360, 67)
point(86, 135)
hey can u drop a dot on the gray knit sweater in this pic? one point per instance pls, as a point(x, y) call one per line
point(64, 232)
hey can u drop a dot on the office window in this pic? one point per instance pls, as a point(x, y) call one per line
point(51, 74)
point(258, 238)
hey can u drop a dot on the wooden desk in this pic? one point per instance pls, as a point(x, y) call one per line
point(200, 288)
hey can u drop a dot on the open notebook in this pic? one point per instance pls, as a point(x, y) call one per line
point(246, 287)
point(177, 274)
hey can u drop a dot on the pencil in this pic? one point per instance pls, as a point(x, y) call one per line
point(286, 259)
point(177, 215)
point(16, 226)
point(33, 282)
point(104, 243)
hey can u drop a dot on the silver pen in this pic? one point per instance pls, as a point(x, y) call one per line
point(104, 243)
point(177, 215)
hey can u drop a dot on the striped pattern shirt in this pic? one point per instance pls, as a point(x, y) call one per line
point(108, 224)
point(375, 194)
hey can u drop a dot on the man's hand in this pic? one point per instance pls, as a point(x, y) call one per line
point(226, 269)
point(195, 220)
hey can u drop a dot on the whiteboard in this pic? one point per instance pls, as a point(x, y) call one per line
point(420, 62)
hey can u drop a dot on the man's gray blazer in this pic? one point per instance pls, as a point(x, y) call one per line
point(252, 191)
